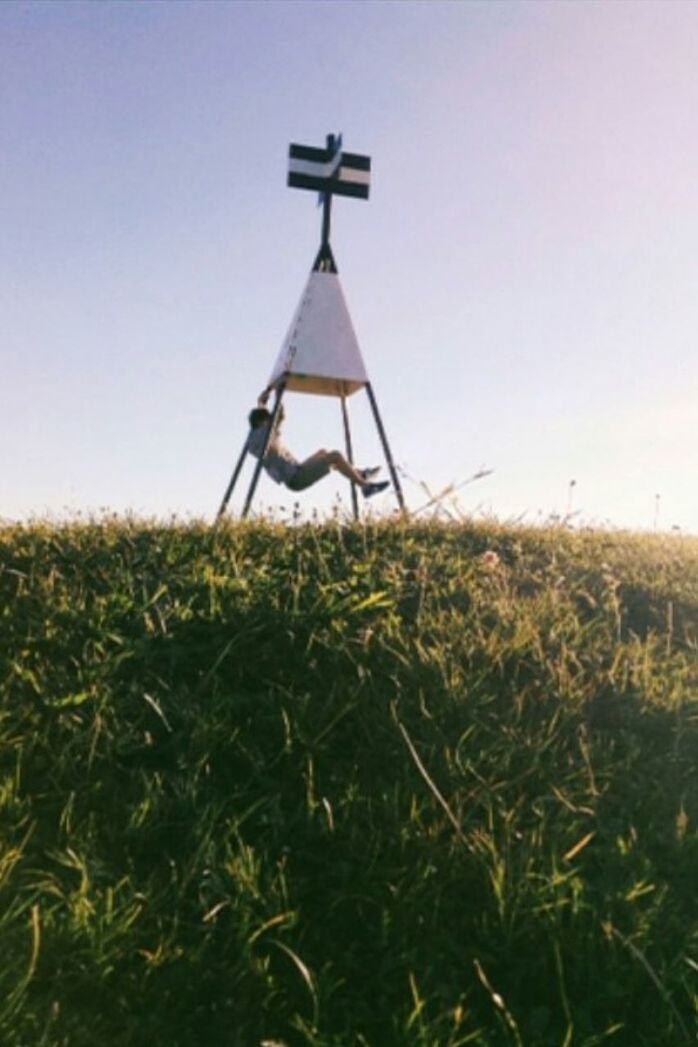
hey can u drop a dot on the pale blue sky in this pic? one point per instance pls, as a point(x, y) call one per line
point(522, 279)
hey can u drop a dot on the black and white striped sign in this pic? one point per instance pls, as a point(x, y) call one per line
point(329, 170)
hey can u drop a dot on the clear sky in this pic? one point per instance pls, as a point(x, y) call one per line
point(523, 279)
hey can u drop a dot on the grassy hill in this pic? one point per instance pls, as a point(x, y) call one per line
point(347, 786)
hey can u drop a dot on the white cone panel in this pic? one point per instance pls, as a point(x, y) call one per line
point(320, 353)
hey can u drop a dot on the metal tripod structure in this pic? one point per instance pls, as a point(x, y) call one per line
point(330, 172)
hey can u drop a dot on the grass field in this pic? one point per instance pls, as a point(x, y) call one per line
point(347, 785)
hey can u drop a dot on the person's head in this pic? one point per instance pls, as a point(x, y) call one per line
point(259, 416)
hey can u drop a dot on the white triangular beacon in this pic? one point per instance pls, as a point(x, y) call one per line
point(320, 353)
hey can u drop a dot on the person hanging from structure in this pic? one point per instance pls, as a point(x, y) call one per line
point(283, 467)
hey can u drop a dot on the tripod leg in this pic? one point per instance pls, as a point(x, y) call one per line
point(350, 456)
point(258, 467)
point(386, 448)
point(233, 481)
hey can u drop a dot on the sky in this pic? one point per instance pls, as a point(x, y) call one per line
point(522, 279)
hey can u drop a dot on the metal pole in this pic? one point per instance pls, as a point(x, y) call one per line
point(327, 201)
point(326, 206)
point(258, 468)
point(386, 448)
point(324, 262)
point(350, 455)
point(233, 481)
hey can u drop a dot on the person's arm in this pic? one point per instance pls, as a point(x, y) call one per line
point(262, 402)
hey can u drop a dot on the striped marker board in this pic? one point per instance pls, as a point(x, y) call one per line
point(329, 170)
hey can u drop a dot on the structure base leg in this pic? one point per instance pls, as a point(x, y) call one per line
point(386, 448)
point(258, 467)
point(350, 456)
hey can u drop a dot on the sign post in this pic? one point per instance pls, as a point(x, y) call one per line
point(320, 353)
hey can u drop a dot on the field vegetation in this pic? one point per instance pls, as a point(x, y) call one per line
point(340, 785)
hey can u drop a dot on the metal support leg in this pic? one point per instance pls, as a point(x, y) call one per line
point(386, 448)
point(350, 456)
point(233, 481)
point(258, 466)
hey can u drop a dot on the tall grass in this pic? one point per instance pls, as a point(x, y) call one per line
point(329, 785)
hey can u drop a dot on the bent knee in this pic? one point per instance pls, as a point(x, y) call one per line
point(334, 457)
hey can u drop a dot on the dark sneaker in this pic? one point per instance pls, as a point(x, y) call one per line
point(369, 490)
point(368, 474)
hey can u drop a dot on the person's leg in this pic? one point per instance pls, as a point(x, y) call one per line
point(319, 464)
point(310, 471)
point(339, 462)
